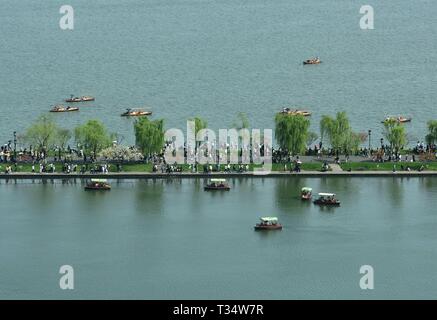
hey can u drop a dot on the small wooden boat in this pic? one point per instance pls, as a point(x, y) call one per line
point(88, 98)
point(268, 223)
point(295, 112)
point(135, 113)
point(313, 61)
point(306, 193)
point(398, 119)
point(80, 99)
point(73, 99)
point(60, 108)
point(98, 184)
point(217, 184)
point(327, 199)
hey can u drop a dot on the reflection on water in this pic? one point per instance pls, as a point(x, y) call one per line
point(127, 240)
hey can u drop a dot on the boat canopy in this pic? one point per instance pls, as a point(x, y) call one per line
point(269, 219)
point(99, 180)
point(218, 180)
point(306, 189)
point(322, 194)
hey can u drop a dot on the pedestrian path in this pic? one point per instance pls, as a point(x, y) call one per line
point(335, 167)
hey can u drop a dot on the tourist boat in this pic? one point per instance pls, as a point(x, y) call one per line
point(312, 61)
point(88, 98)
point(73, 99)
point(136, 113)
point(217, 184)
point(98, 184)
point(327, 199)
point(268, 223)
point(306, 193)
point(296, 112)
point(60, 108)
point(398, 119)
point(80, 99)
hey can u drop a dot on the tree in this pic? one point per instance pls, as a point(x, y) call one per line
point(339, 133)
point(312, 137)
point(62, 137)
point(149, 135)
point(42, 134)
point(291, 132)
point(241, 122)
point(431, 137)
point(119, 152)
point(92, 136)
point(199, 124)
point(395, 134)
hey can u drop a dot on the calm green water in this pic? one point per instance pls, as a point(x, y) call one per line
point(170, 239)
point(215, 58)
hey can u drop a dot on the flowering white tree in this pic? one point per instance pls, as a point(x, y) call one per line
point(119, 152)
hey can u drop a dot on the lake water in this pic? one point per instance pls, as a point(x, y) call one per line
point(216, 58)
point(151, 239)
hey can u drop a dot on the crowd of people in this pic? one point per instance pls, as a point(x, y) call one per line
point(209, 153)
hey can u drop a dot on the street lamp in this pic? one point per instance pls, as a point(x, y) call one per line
point(370, 133)
point(15, 145)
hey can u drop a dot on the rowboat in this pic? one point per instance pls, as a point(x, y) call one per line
point(88, 98)
point(397, 119)
point(217, 184)
point(312, 61)
point(80, 99)
point(327, 199)
point(135, 113)
point(60, 108)
point(268, 223)
point(295, 112)
point(306, 193)
point(98, 184)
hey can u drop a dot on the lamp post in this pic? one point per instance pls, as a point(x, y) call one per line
point(370, 134)
point(15, 146)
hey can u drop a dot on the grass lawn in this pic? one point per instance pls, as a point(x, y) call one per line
point(386, 166)
point(278, 167)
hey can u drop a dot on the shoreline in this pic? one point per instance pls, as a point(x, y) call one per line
point(145, 175)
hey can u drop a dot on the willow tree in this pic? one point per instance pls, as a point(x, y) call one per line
point(431, 137)
point(92, 137)
point(339, 133)
point(199, 124)
point(241, 121)
point(395, 134)
point(149, 135)
point(291, 132)
point(42, 134)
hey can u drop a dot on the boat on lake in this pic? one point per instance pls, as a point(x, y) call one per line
point(80, 99)
point(61, 108)
point(327, 199)
point(217, 184)
point(398, 119)
point(313, 61)
point(268, 223)
point(306, 193)
point(136, 113)
point(98, 184)
point(88, 98)
point(295, 112)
